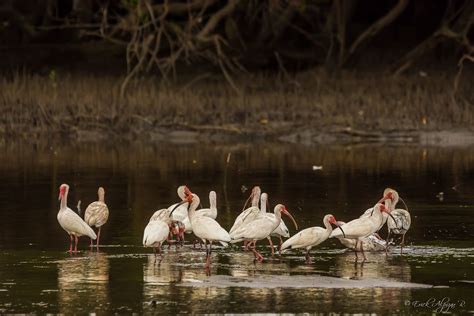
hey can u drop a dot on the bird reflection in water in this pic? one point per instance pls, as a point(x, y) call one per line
point(242, 264)
point(378, 267)
point(83, 281)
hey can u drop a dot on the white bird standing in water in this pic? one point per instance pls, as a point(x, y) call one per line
point(209, 212)
point(250, 213)
point(313, 236)
point(362, 227)
point(179, 218)
point(401, 221)
point(157, 230)
point(72, 223)
point(181, 212)
point(371, 243)
point(204, 227)
point(261, 228)
point(97, 214)
point(280, 231)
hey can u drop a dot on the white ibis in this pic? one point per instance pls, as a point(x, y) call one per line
point(261, 228)
point(250, 213)
point(371, 243)
point(209, 212)
point(313, 236)
point(180, 221)
point(280, 231)
point(363, 227)
point(175, 227)
point(97, 214)
point(157, 231)
point(181, 211)
point(369, 213)
point(72, 223)
point(163, 215)
point(401, 221)
point(205, 228)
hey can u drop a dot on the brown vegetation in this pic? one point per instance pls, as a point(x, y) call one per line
point(62, 104)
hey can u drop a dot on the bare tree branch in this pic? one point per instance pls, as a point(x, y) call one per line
point(375, 28)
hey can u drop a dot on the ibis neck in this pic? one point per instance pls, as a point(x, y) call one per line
point(64, 201)
point(277, 217)
point(327, 225)
point(101, 196)
point(255, 200)
point(212, 202)
point(263, 206)
point(192, 208)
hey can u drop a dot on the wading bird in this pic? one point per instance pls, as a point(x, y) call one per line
point(261, 228)
point(97, 214)
point(401, 221)
point(363, 227)
point(250, 213)
point(175, 227)
point(205, 228)
point(209, 212)
point(371, 243)
point(157, 231)
point(181, 211)
point(313, 236)
point(72, 223)
point(280, 231)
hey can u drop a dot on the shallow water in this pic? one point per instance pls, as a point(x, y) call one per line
point(38, 275)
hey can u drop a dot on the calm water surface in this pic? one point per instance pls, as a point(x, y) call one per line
point(38, 275)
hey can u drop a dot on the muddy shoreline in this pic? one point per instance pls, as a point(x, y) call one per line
point(300, 282)
point(230, 134)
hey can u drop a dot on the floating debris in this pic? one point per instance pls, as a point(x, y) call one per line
point(440, 196)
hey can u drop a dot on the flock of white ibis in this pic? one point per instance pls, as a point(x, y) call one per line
point(252, 225)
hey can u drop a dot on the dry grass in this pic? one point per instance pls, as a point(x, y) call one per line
point(65, 103)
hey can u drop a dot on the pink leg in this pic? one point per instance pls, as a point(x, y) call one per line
point(70, 244)
point(257, 255)
point(402, 244)
point(271, 245)
point(362, 249)
point(75, 245)
point(308, 257)
point(279, 246)
point(98, 239)
point(168, 239)
point(208, 253)
point(181, 236)
point(355, 249)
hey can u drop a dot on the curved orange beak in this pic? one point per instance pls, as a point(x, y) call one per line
point(189, 199)
point(252, 194)
point(387, 196)
point(287, 213)
point(339, 224)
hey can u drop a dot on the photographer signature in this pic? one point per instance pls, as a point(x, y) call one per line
point(443, 305)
